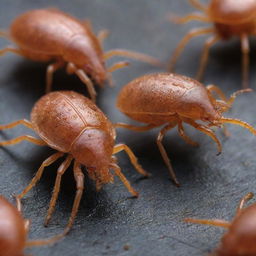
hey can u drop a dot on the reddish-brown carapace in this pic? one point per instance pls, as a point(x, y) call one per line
point(72, 124)
point(240, 238)
point(49, 35)
point(230, 18)
point(14, 230)
point(168, 100)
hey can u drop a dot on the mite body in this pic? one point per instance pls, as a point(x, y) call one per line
point(49, 35)
point(240, 238)
point(72, 124)
point(230, 18)
point(14, 230)
point(168, 100)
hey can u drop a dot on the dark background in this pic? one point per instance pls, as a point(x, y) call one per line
point(109, 220)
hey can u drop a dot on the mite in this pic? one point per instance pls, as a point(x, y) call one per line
point(73, 125)
point(241, 235)
point(49, 35)
point(168, 100)
point(14, 230)
point(230, 18)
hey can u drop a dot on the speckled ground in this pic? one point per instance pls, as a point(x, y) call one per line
point(109, 223)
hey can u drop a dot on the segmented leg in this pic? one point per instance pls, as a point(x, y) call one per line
point(205, 55)
point(238, 122)
point(205, 130)
point(215, 222)
point(50, 160)
point(127, 184)
point(133, 55)
point(246, 198)
point(63, 167)
point(71, 68)
point(24, 122)
point(189, 17)
point(193, 33)
point(49, 74)
point(22, 138)
point(164, 154)
point(133, 159)
point(185, 137)
point(118, 65)
point(79, 177)
point(245, 60)
point(198, 5)
point(10, 49)
point(135, 128)
point(102, 35)
point(213, 88)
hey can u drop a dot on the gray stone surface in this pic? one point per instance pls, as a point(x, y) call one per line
point(109, 220)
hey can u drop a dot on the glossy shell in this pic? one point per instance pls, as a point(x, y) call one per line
point(241, 237)
point(12, 230)
point(48, 31)
point(60, 118)
point(156, 98)
point(232, 11)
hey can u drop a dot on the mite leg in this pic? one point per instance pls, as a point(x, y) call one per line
point(215, 222)
point(102, 35)
point(238, 122)
point(213, 88)
point(49, 74)
point(135, 128)
point(10, 49)
point(190, 17)
point(198, 5)
point(118, 65)
point(246, 198)
point(79, 177)
point(184, 136)
point(13, 124)
point(71, 68)
point(245, 60)
point(183, 43)
point(22, 138)
point(127, 184)
point(63, 167)
point(133, 159)
point(133, 55)
point(205, 55)
point(164, 154)
point(39, 173)
point(207, 131)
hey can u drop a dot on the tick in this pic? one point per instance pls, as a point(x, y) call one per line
point(169, 100)
point(239, 240)
point(14, 230)
point(73, 125)
point(49, 35)
point(229, 18)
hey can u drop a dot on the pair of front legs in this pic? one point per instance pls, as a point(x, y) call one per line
point(208, 43)
point(222, 223)
point(79, 177)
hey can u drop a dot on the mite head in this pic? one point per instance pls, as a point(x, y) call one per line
point(94, 149)
point(197, 105)
point(232, 11)
point(86, 54)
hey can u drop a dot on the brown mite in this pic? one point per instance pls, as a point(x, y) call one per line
point(14, 230)
point(230, 18)
point(73, 125)
point(167, 100)
point(49, 35)
point(241, 235)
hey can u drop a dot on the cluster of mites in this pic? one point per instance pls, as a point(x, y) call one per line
point(158, 100)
